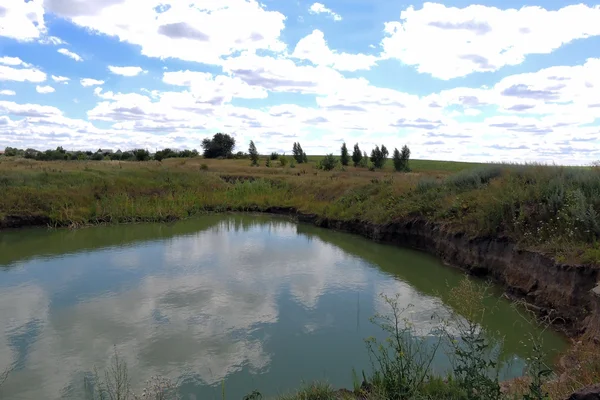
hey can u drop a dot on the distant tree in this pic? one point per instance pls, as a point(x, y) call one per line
point(356, 155)
point(397, 159)
point(364, 161)
point(274, 156)
point(299, 154)
point(99, 157)
point(405, 156)
point(117, 155)
point(253, 154)
point(221, 145)
point(139, 155)
point(379, 156)
point(345, 157)
point(328, 163)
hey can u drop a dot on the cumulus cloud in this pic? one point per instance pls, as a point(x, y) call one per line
point(44, 89)
point(7, 93)
point(61, 79)
point(70, 54)
point(315, 93)
point(319, 8)
point(8, 73)
point(22, 20)
point(480, 38)
point(126, 71)
point(313, 48)
point(85, 82)
point(213, 29)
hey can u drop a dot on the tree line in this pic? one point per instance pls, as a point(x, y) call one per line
point(221, 145)
point(60, 154)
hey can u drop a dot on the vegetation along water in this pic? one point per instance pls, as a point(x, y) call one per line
point(533, 229)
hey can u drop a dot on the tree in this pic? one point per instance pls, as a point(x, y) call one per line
point(299, 154)
point(253, 153)
point(396, 158)
point(379, 156)
point(328, 162)
point(345, 158)
point(356, 155)
point(401, 159)
point(221, 145)
point(139, 154)
point(364, 161)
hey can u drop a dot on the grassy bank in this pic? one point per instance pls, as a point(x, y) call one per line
point(555, 210)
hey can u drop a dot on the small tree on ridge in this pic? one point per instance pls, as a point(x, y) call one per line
point(356, 155)
point(253, 154)
point(345, 158)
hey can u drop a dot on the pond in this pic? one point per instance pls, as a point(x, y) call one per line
point(226, 302)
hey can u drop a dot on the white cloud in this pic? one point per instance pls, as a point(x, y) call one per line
point(13, 61)
point(126, 71)
point(44, 89)
point(313, 47)
point(61, 79)
point(70, 54)
point(7, 93)
point(319, 8)
point(211, 28)
point(90, 82)
point(8, 73)
point(449, 42)
point(210, 89)
point(22, 20)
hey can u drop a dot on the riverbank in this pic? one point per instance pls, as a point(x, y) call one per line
point(533, 229)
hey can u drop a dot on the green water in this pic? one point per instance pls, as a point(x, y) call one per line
point(248, 302)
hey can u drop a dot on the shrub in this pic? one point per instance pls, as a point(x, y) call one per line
point(473, 178)
point(328, 163)
point(274, 156)
point(283, 161)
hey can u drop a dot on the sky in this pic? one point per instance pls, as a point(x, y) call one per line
point(493, 81)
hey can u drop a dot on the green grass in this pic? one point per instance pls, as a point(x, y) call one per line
point(421, 165)
point(551, 209)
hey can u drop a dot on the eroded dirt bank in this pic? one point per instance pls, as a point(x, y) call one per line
point(569, 294)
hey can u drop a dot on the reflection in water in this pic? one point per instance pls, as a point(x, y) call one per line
point(258, 302)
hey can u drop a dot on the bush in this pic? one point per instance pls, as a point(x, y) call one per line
point(283, 161)
point(328, 163)
point(473, 178)
point(274, 156)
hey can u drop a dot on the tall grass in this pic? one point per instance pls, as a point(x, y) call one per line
point(548, 208)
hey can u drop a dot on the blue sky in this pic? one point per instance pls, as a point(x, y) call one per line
point(490, 81)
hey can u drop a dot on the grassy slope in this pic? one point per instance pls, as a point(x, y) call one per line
point(551, 209)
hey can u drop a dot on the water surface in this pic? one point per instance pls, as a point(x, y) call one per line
point(245, 302)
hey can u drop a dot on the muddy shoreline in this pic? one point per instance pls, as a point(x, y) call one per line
point(568, 294)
